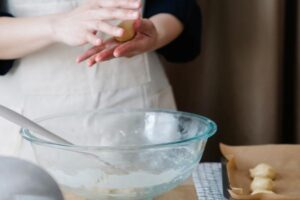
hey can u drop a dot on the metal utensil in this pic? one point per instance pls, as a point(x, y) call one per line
point(24, 122)
point(24, 180)
point(225, 179)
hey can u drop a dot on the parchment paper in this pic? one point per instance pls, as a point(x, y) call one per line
point(285, 159)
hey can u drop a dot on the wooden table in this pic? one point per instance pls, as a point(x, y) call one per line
point(186, 191)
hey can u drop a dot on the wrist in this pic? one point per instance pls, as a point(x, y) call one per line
point(158, 36)
point(168, 28)
point(53, 27)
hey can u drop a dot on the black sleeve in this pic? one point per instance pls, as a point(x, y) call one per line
point(5, 65)
point(188, 45)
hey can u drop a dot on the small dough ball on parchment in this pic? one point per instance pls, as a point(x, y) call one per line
point(263, 170)
point(129, 33)
point(260, 183)
point(262, 191)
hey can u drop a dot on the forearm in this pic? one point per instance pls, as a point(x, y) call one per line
point(22, 36)
point(168, 28)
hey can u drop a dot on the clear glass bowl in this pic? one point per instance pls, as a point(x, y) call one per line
point(151, 151)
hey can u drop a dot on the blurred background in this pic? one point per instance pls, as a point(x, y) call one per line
point(247, 76)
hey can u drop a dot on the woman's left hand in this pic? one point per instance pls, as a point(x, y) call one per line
point(145, 40)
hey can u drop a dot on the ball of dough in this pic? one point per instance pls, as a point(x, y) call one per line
point(262, 191)
point(129, 33)
point(260, 183)
point(263, 170)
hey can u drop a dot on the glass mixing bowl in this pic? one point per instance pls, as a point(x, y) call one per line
point(122, 154)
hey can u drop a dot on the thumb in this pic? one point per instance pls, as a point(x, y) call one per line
point(144, 26)
point(137, 24)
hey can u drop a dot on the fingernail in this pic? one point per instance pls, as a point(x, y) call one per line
point(136, 4)
point(134, 15)
point(137, 24)
point(98, 42)
point(119, 32)
point(116, 54)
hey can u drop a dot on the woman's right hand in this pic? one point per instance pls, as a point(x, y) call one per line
point(80, 25)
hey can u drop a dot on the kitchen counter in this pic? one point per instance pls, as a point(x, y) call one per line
point(186, 191)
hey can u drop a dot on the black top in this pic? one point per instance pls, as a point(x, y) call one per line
point(187, 46)
point(5, 65)
point(183, 49)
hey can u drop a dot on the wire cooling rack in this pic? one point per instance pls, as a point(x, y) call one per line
point(208, 181)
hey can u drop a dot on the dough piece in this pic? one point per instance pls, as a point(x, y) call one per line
point(129, 33)
point(262, 191)
point(263, 170)
point(260, 183)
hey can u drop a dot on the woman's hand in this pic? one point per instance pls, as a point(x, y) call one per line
point(144, 41)
point(80, 26)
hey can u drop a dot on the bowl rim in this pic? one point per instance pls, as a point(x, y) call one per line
point(211, 130)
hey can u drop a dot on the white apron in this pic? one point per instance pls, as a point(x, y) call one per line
point(50, 82)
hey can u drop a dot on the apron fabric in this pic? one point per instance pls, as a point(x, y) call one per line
point(49, 81)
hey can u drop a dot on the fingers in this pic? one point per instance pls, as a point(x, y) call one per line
point(94, 24)
point(141, 43)
point(129, 48)
point(108, 52)
point(90, 54)
point(106, 28)
point(93, 39)
point(129, 4)
point(144, 26)
point(92, 51)
point(105, 55)
point(137, 24)
point(112, 13)
point(92, 61)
